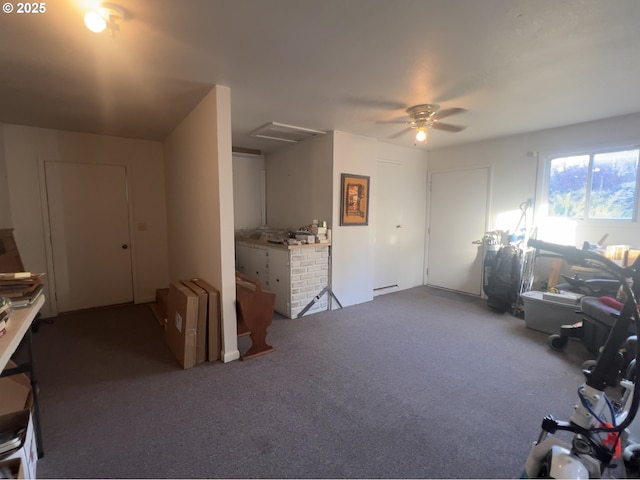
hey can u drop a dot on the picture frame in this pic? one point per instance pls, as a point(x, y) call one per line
point(354, 205)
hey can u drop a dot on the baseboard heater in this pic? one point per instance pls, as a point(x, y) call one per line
point(384, 288)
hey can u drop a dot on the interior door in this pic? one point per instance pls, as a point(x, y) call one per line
point(458, 204)
point(89, 224)
point(388, 235)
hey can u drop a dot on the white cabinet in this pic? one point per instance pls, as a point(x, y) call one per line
point(269, 265)
point(253, 262)
point(280, 279)
point(296, 274)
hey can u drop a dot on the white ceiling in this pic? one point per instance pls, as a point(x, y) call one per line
point(346, 65)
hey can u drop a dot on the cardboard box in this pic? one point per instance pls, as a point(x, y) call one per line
point(16, 392)
point(618, 254)
point(13, 467)
point(160, 307)
point(182, 323)
point(214, 327)
point(27, 453)
point(306, 238)
point(201, 330)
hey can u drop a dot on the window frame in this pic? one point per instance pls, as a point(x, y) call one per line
point(591, 153)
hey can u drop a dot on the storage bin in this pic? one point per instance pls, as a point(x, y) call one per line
point(546, 315)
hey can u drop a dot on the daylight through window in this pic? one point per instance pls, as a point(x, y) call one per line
point(595, 186)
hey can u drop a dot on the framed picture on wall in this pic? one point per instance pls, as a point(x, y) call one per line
point(355, 200)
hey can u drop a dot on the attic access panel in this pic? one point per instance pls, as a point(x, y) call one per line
point(284, 133)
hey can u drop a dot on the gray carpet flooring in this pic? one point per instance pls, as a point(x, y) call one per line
point(414, 384)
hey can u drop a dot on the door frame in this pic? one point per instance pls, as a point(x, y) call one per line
point(48, 241)
point(430, 173)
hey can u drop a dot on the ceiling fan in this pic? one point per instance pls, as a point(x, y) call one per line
point(425, 116)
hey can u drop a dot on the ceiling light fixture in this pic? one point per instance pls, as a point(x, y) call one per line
point(106, 16)
point(428, 115)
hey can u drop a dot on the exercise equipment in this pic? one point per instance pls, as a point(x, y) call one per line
point(603, 433)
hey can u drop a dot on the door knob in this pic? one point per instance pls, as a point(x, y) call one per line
point(125, 246)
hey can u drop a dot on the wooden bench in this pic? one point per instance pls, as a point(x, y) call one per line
point(255, 309)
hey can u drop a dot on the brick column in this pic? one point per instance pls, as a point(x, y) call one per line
point(309, 275)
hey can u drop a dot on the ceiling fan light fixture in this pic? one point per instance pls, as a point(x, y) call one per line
point(426, 116)
point(95, 22)
point(106, 16)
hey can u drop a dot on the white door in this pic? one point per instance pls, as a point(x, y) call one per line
point(458, 204)
point(388, 235)
point(89, 223)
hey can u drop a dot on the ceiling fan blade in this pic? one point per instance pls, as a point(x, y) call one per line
point(447, 127)
point(400, 133)
point(369, 102)
point(447, 113)
point(393, 121)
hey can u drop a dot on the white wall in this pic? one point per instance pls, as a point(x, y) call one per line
point(5, 201)
point(25, 150)
point(299, 181)
point(304, 183)
point(248, 191)
point(199, 183)
point(516, 174)
point(352, 246)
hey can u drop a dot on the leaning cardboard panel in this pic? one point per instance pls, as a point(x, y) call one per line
point(10, 260)
point(213, 320)
point(15, 392)
point(182, 322)
point(201, 331)
point(159, 308)
point(27, 452)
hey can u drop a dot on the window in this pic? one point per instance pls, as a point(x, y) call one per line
point(597, 186)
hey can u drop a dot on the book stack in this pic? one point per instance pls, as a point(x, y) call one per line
point(320, 233)
point(22, 288)
point(11, 440)
point(5, 311)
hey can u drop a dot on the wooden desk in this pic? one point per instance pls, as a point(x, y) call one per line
point(19, 335)
point(19, 323)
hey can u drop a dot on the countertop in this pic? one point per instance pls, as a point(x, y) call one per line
point(282, 246)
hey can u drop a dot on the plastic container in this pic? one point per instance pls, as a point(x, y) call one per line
point(546, 315)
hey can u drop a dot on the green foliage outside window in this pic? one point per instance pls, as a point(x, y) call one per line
point(598, 186)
